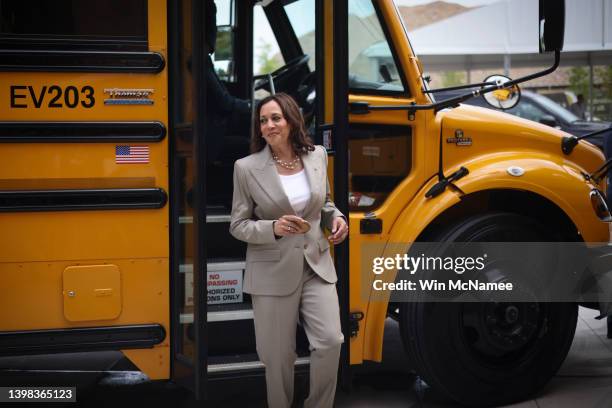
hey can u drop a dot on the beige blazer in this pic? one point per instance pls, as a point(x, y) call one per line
point(275, 266)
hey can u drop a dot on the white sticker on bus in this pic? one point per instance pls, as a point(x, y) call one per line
point(223, 287)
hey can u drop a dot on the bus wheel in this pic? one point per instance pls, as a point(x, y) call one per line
point(460, 350)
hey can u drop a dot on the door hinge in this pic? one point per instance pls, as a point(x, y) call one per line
point(354, 319)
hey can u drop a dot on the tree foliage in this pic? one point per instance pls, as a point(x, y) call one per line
point(605, 75)
point(579, 81)
point(453, 78)
point(266, 62)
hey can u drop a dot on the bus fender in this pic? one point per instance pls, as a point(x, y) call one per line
point(562, 184)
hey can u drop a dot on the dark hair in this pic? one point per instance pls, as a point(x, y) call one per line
point(299, 139)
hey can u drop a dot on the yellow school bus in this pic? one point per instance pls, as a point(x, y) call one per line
point(118, 135)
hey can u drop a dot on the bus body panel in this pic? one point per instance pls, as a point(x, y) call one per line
point(38, 246)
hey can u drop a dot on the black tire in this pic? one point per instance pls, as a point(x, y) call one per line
point(450, 352)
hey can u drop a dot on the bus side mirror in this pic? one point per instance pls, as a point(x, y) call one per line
point(552, 25)
point(503, 98)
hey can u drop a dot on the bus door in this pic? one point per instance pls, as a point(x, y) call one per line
point(332, 44)
point(382, 149)
point(187, 22)
point(261, 47)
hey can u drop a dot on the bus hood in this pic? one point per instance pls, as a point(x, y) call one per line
point(469, 131)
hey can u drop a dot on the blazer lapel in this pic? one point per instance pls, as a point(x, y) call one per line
point(313, 170)
point(268, 179)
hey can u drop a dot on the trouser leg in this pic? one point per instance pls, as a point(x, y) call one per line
point(320, 314)
point(275, 320)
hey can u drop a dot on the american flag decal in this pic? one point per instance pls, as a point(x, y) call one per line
point(131, 154)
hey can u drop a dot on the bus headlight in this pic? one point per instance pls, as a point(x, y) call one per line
point(598, 201)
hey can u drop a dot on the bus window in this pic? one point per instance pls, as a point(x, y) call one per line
point(381, 158)
point(223, 57)
point(302, 19)
point(66, 24)
point(267, 55)
point(372, 68)
point(287, 51)
point(380, 154)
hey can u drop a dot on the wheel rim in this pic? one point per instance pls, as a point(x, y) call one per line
point(502, 333)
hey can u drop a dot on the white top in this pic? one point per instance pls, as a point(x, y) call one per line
point(297, 190)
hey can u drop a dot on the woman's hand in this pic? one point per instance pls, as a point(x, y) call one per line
point(288, 225)
point(339, 231)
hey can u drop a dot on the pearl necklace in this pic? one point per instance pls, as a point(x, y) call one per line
point(291, 165)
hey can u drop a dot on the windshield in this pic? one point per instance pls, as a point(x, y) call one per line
point(556, 109)
point(371, 63)
point(302, 19)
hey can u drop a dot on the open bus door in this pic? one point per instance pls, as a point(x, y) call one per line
point(335, 87)
point(186, 25)
point(213, 334)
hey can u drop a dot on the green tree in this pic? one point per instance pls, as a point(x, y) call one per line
point(224, 47)
point(579, 81)
point(453, 78)
point(605, 75)
point(604, 93)
point(266, 61)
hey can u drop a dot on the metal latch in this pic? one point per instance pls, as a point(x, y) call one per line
point(354, 319)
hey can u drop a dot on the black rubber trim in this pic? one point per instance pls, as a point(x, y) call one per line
point(82, 199)
point(81, 61)
point(81, 339)
point(370, 226)
point(81, 132)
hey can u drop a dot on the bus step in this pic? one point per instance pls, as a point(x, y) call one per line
point(217, 265)
point(223, 313)
point(210, 218)
point(244, 362)
point(214, 214)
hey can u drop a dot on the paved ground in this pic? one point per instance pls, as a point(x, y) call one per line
point(585, 381)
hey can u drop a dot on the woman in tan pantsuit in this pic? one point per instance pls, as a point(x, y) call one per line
point(281, 204)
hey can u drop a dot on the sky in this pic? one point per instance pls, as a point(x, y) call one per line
point(467, 3)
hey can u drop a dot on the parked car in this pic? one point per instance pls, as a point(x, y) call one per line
point(541, 109)
point(563, 98)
